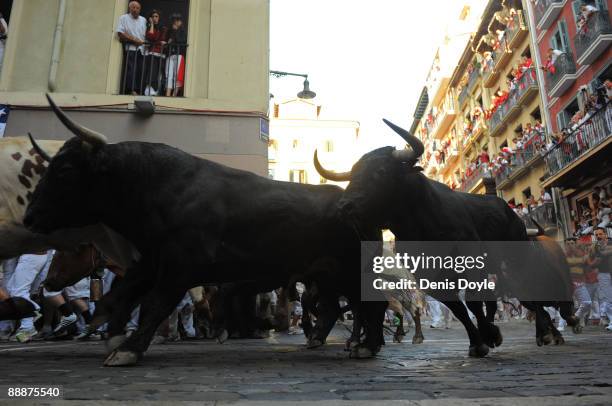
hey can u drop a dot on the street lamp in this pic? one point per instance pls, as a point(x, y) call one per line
point(306, 93)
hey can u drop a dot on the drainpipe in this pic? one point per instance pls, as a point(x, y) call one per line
point(57, 43)
point(538, 62)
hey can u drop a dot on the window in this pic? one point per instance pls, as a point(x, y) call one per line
point(527, 192)
point(560, 40)
point(162, 71)
point(527, 52)
point(536, 114)
point(295, 144)
point(564, 116)
point(322, 180)
point(329, 146)
point(599, 4)
point(297, 175)
point(271, 173)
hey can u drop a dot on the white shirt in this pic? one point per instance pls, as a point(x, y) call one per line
point(134, 27)
point(555, 54)
point(546, 197)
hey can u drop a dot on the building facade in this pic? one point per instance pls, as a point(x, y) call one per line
point(489, 134)
point(574, 40)
point(296, 131)
point(70, 49)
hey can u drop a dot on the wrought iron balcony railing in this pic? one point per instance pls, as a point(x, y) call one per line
point(520, 158)
point(154, 70)
point(598, 24)
point(584, 138)
point(471, 180)
point(541, 10)
point(564, 65)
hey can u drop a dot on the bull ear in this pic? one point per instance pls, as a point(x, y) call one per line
point(91, 137)
point(38, 149)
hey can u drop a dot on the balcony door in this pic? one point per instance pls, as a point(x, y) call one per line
point(167, 8)
point(560, 40)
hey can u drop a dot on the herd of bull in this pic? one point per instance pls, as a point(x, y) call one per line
point(173, 221)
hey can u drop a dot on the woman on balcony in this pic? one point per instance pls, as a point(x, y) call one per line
point(154, 59)
point(175, 67)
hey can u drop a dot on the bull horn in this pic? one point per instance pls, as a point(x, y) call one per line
point(38, 149)
point(95, 139)
point(330, 175)
point(414, 142)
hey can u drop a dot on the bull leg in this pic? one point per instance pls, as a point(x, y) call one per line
point(309, 309)
point(477, 347)
point(329, 310)
point(543, 324)
point(355, 337)
point(400, 333)
point(418, 332)
point(157, 305)
point(117, 305)
point(373, 315)
point(489, 332)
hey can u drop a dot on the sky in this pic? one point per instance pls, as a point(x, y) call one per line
point(365, 59)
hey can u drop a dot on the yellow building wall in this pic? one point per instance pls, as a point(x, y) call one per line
point(227, 58)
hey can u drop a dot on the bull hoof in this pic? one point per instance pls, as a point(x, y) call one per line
point(314, 343)
point(417, 340)
point(478, 351)
point(222, 336)
point(350, 345)
point(559, 340)
point(539, 341)
point(573, 321)
point(577, 329)
point(548, 338)
point(114, 342)
point(398, 338)
point(491, 335)
point(121, 358)
point(361, 352)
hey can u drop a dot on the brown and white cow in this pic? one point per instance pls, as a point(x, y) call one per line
point(21, 167)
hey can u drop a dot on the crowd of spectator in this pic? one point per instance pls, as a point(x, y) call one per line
point(593, 213)
point(154, 54)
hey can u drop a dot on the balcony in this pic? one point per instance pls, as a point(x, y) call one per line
point(517, 30)
point(451, 153)
point(519, 163)
point(563, 77)
point(463, 96)
point(160, 73)
point(594, 38)
point(474, 179)
point(526, 88)
point(544, 215)
point(547, 11)
point(489, 73)
point(581, 141)
point(474, 76)
point(444, 118)
point(473, 133)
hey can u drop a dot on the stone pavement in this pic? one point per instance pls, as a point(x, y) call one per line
point(281, 369)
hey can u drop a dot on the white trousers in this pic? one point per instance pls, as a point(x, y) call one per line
point(583, 298)
point(605, 295)
point(593, 288)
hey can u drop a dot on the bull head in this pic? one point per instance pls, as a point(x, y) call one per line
point(409, 156)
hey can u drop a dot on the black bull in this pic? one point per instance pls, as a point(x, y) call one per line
point(197, 222)
point(387, 190)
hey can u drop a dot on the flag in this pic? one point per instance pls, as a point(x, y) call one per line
point(4, 112)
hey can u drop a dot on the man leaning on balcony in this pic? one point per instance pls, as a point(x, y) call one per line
point(131, 30)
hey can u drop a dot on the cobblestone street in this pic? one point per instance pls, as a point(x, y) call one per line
point(282, 369)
